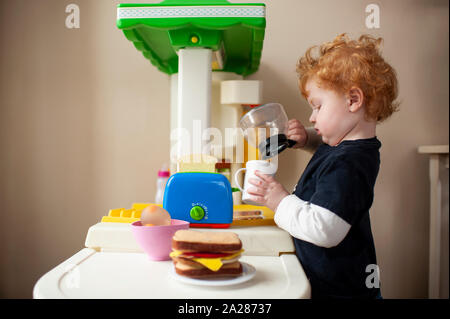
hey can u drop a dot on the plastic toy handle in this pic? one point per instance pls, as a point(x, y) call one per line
point(291, 143)
point(236, 178)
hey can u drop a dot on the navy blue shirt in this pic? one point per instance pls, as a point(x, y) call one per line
point(341, 179)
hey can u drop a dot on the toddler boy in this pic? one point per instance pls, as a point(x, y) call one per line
point(350, 89)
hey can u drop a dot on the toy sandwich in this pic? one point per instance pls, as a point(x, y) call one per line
point(206, 254)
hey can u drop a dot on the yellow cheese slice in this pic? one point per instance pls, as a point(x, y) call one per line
point(213, 264)
point(175, 253)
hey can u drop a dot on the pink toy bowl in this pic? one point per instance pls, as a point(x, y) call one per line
point(156, 241)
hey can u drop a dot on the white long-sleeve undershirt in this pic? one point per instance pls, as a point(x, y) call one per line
point(310, 222)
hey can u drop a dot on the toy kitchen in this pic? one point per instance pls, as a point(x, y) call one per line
point(206, 47)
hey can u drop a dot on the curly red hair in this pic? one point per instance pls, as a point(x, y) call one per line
point(345, 63)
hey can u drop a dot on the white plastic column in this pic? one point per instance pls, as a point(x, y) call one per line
point(194, 97)
point(437, 154)
point(173, 120)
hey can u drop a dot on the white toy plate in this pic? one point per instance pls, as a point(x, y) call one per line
point(248, 272)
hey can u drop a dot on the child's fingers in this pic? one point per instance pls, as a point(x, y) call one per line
point(298, 135)
point(256, 191)
point(257, 182)
point(290, 134)
point(294, 124)
point(295, 137)
point(264, 177)
point(295, 129)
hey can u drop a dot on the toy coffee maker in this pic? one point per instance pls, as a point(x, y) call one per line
point(265, 127)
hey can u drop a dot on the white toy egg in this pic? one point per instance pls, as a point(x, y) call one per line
point(154, 215)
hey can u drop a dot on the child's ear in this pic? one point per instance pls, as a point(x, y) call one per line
point(355, 99)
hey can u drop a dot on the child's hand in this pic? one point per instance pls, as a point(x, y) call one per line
point(267, 191)
point(297, 132)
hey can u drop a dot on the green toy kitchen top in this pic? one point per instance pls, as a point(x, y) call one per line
point(233, 31)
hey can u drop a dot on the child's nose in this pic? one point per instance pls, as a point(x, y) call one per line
point(312, 118)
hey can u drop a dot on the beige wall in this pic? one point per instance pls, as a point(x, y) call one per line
point(84, 125)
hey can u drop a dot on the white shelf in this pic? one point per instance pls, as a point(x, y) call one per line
point(433, 149)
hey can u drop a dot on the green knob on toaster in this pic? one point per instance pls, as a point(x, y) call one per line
point(197, 213)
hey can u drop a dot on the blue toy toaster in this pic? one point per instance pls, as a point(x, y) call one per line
point(203, 199)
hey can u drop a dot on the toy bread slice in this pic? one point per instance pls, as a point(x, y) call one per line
point(197, 163)
point(247, 215)
point(228, 270)
point(191, 240)
point(238, 213)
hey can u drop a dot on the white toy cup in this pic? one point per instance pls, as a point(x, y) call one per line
point(265, 167)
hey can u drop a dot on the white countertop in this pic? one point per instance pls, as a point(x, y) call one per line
point(92, 274)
